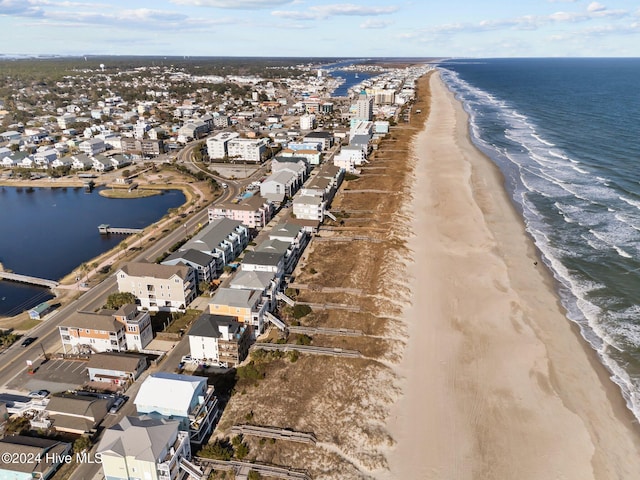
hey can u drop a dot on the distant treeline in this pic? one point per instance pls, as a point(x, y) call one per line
point(58, 67)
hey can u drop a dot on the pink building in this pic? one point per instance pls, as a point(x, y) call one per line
point(253, 212)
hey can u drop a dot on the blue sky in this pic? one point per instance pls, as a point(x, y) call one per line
point(372, 28)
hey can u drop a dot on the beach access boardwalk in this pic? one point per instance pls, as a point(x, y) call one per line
point(275, 433)
point(242, 469)
point(16, 277)
point(310, 349)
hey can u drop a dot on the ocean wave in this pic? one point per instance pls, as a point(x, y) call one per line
point(633, 203)
point(542, 140)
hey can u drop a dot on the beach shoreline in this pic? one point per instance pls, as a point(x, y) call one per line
point(497, 382)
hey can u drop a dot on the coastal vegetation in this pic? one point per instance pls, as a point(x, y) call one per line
point(361, 276)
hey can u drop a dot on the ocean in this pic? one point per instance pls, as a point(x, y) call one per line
point(566, 135)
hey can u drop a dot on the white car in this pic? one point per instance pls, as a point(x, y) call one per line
point(188, 359)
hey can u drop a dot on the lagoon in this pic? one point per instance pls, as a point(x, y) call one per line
point(49, 232)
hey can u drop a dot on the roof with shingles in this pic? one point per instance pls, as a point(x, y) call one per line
point(143, 438)
point(142, 269)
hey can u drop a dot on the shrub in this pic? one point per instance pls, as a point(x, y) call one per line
point(303, 340)
point(300, 311)
point(294, 355)
point(249, 372)
point(241, 451)
point(218, 450)
point(118, 299)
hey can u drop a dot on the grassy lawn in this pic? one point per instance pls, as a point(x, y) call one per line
point(176, 321)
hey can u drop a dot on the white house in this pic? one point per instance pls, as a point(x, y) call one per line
point(309, 207)
point(219, 339)
point(81, 162)
point(46, 157)
point(92, 146)
point(185, 398)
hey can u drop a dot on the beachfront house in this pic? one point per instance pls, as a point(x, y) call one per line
point(144, 448)
point(219, 339)
point(185, 398)
point(246, 306)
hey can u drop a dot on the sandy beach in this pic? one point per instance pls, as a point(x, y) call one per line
point(497, 383)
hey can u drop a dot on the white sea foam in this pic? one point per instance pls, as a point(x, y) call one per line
point(542, 140)
point(631, 202)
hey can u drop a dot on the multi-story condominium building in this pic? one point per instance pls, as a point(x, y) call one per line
point(309, 207)
point(107, 331)
point(194, 130)
point(203, 263)
point(221, 121)
point(223, 239)
point(219, 339)
point(254, 212)
point(217, 145)
point(278, 185)
point(308, 121)
point(158, 287)
point(312, 156)
point(144, 448)
point(185, 398)
point(298, 165)
point(247, 149)
point(146, 147)
point(92, 146)
point(364, 107)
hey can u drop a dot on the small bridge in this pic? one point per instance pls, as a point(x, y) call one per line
point(16, 277)
point(105, 229)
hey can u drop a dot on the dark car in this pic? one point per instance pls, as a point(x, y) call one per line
point(117, 405)
point(28, 341)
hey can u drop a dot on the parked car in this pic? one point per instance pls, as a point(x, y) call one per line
point(39, 394)
point(117, 405)
point(188, 359)
point(28, 341)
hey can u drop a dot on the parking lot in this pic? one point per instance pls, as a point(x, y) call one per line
point(55, 375)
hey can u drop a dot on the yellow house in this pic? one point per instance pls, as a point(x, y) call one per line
point(247, 306)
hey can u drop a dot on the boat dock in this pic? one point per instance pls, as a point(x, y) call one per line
point(105, 229)
point(16, 277)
